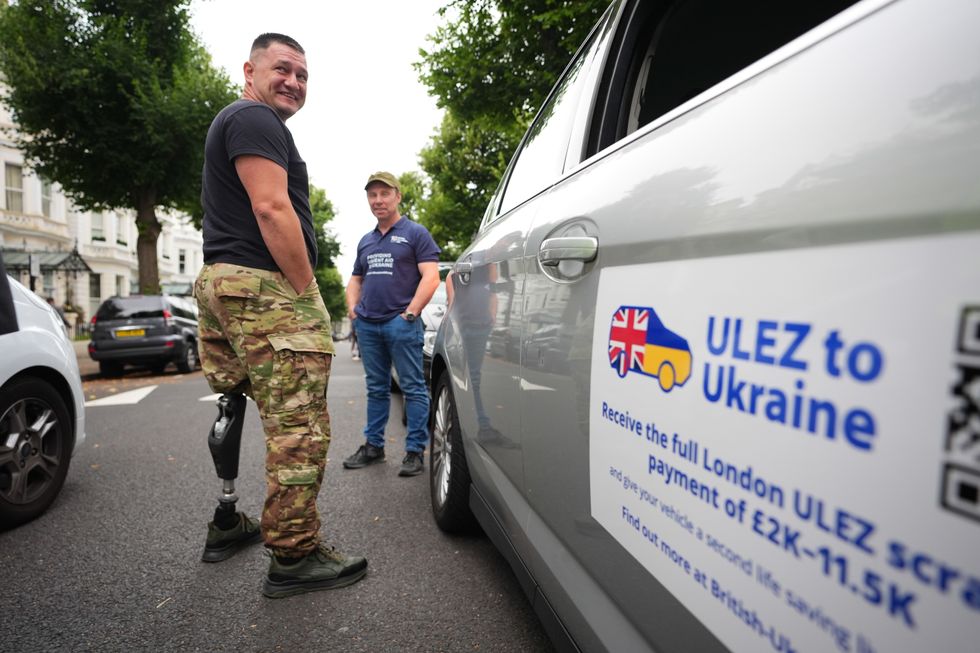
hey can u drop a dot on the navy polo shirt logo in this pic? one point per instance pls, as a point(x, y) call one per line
point(380, 263)
point(388, 264)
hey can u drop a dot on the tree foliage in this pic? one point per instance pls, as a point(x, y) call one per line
point(414, 191)
point(491, 66)
point(327, 276)
point(113, 99)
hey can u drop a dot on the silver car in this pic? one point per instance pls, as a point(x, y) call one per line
point(710, 379)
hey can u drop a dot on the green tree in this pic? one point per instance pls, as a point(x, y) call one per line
point(464, 163)
point(490, 68)
point(414, 189)
point(327, 276)
point(113, 99)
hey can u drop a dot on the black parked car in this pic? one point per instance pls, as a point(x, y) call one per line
point(146, 331)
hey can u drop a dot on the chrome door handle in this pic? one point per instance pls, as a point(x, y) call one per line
point(463, 267)
point(568, 248)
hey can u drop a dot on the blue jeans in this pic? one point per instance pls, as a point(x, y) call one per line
point(382, 344)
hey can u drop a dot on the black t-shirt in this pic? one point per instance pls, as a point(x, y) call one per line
point(231, 232)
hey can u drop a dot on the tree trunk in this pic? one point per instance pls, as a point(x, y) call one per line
point(146, 244)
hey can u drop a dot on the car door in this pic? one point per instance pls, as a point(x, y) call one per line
point(720, 184)
point(487, 318)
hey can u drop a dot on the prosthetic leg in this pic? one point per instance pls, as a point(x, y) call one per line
point(224, 441)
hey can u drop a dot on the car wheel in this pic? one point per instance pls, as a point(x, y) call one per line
point(188, 362)
point(110, 369)
point(666, 377)
point(449, 476)
point(35, 439)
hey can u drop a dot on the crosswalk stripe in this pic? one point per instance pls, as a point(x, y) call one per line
point(123, 398)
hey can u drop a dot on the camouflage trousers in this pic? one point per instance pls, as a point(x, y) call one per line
point(259, 337)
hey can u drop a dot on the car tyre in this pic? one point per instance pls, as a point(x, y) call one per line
point(188, 362)
point(110, 369)
point(666, 377)
point(449, 475)
point(35, 449)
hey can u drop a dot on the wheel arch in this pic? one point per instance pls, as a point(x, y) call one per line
point(438, 367)
point(59, 383)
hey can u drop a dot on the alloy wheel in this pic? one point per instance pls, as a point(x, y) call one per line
point(442, 448)
point(31, 450)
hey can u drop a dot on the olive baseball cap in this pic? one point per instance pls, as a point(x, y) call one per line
point(385, 178)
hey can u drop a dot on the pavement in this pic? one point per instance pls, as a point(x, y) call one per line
point(88, 368)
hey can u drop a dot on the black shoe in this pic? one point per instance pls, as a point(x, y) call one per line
point(365, 455)
point(412, 464)
point(324, 569)
point(222, 544)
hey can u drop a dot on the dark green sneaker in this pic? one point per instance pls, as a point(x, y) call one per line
point(365, 455)
point(412, 465)
point(324, 569)
point(221, 545)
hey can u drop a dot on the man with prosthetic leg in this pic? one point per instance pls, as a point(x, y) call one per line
point(264, 331)
point(230, 530)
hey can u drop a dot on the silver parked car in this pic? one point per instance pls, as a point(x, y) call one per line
point(42, 414)
point(710, 379)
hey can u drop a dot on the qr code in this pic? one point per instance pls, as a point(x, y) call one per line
point(969, 336)
point(961, 491)
point(963, 434)
point(961, 473)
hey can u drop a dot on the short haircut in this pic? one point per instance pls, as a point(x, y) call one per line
point(263, 41)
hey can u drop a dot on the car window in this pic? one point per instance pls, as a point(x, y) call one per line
point(541, 158)
point(669, 56)
point(121, 308)
point(181, 308)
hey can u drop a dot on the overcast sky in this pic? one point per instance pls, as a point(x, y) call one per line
point(365, 108)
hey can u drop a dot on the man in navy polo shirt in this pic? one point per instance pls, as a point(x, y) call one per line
point(395, 275)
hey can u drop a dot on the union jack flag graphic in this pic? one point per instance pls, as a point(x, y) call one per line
point(627, 338)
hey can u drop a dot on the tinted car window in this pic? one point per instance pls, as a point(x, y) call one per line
point(182, 308)
point(683, 60)
point(667, 56)
point(542, 156)
point(121, 308)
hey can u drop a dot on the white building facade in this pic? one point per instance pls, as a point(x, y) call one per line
point(36, 218)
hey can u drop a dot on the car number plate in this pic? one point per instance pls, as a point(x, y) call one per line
point(123, 333)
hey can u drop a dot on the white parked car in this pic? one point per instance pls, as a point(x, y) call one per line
point(42, 415)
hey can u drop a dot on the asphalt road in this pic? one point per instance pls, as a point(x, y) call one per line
point(114, 565)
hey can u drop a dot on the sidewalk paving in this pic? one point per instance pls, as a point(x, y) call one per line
point(88, 368)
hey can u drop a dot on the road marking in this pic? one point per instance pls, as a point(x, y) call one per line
point(123, 398)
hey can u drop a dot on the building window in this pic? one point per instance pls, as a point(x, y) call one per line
point(15, 188)
point(121, 230)
point(182, 261)
point(94, 292)
point(45, 197)
point(98, 231)
point(48, 280)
